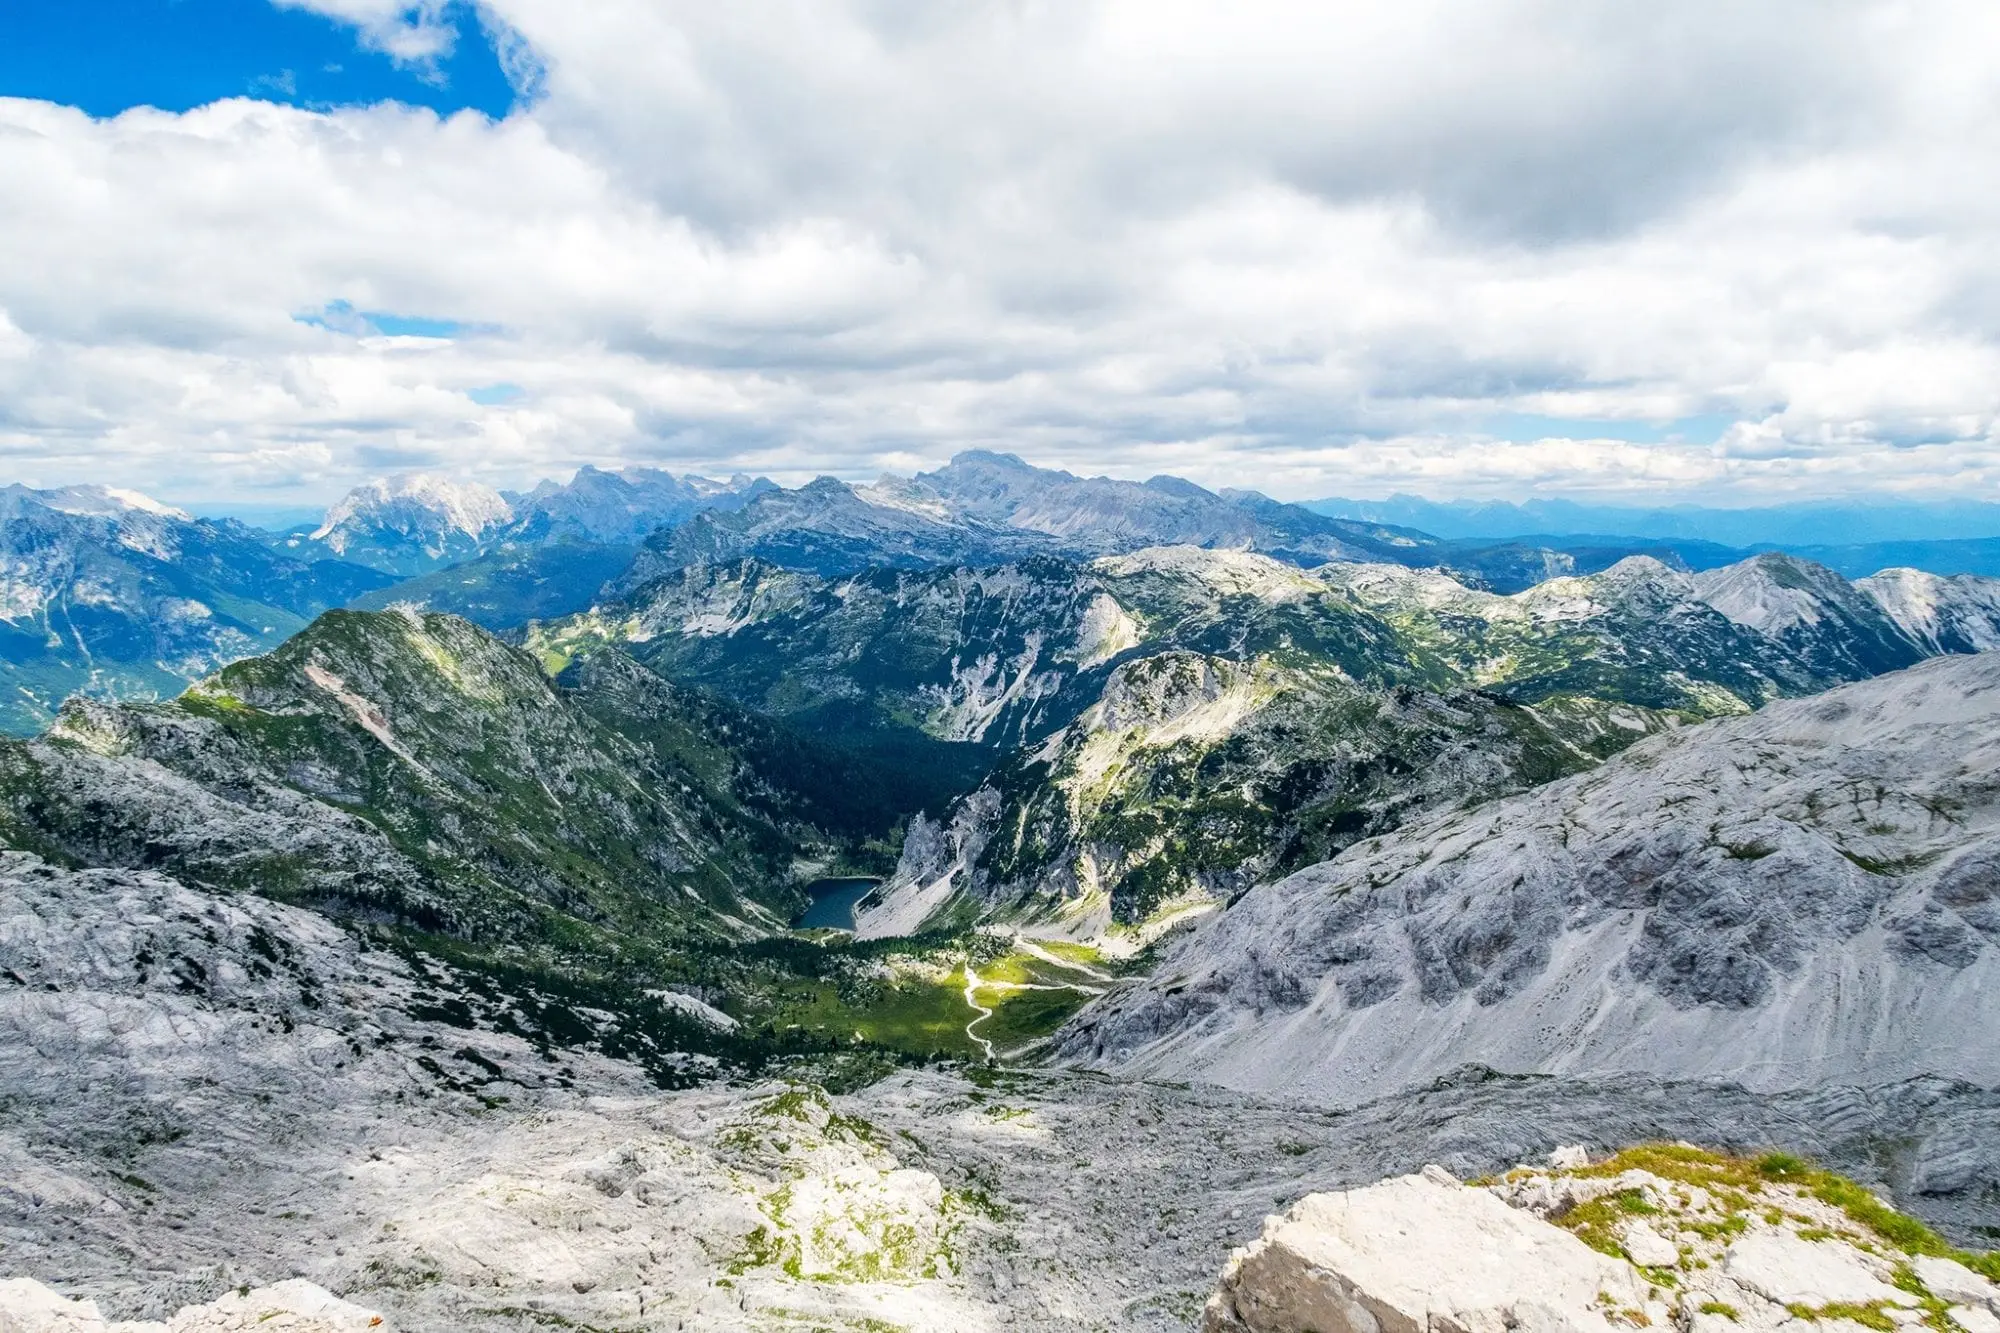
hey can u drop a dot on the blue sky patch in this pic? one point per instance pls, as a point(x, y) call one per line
point(341, 317)
point(1525, 426)
point(108, 56)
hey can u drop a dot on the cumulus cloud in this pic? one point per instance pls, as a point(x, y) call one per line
point(411, 34)
point(1315, 250)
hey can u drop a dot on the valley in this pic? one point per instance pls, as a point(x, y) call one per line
point(970, 900)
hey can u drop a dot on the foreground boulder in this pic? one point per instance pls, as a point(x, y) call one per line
point(1660, 1235)
point(1412, 1254)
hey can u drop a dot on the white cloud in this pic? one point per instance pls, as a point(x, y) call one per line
point(410, 33)
point(1316, 250)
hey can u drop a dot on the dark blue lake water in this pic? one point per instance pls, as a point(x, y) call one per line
point(833, 902)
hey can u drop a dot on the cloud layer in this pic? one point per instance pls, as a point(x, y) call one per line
point(1317, 249)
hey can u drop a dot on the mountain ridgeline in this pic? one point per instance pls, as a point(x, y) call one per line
point(1085, 713)
point(114, 596)
point(1163, 729)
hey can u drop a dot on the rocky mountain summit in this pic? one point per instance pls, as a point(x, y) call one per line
point(1789, 898)
point(417, 523)
point(1657, 1235)
point(623, 507)
point(410, 523)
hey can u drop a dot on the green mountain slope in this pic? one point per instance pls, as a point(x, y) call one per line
point(412, 769)
point(599, 859)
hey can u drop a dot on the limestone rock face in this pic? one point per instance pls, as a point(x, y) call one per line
point(1416, 1253)
point(1663, 1234)
point(1782, 1267)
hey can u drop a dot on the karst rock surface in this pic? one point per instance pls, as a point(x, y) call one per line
point(296, 1306)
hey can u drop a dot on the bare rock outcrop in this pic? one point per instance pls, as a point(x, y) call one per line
point(1663, 1234)
point(1415, 1253)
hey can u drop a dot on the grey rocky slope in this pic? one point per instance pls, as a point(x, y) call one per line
point(1958, 613)
point(207, 1091)
point(1793, 898)
point(109, 593)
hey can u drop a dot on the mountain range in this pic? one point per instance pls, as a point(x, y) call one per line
point(109, 593)
point(396, 942)
point(1162, 729)
point(118, 596)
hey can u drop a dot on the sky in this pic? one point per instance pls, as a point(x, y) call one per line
point(259, 250)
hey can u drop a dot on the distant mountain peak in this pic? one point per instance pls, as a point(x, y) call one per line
point(415, 504)
point(110, 501)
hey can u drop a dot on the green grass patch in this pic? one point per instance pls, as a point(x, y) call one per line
point(1026, 1016)
point(1598, 1222)
point(1735, 1179)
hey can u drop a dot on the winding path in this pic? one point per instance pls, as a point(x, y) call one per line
point(981, 1013)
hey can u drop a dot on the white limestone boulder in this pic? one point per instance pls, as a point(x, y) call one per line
point(26, 1306)
point(1415, 1254)
point(1974, 1318)
point(1950, 1280)
point(1648, 1248)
